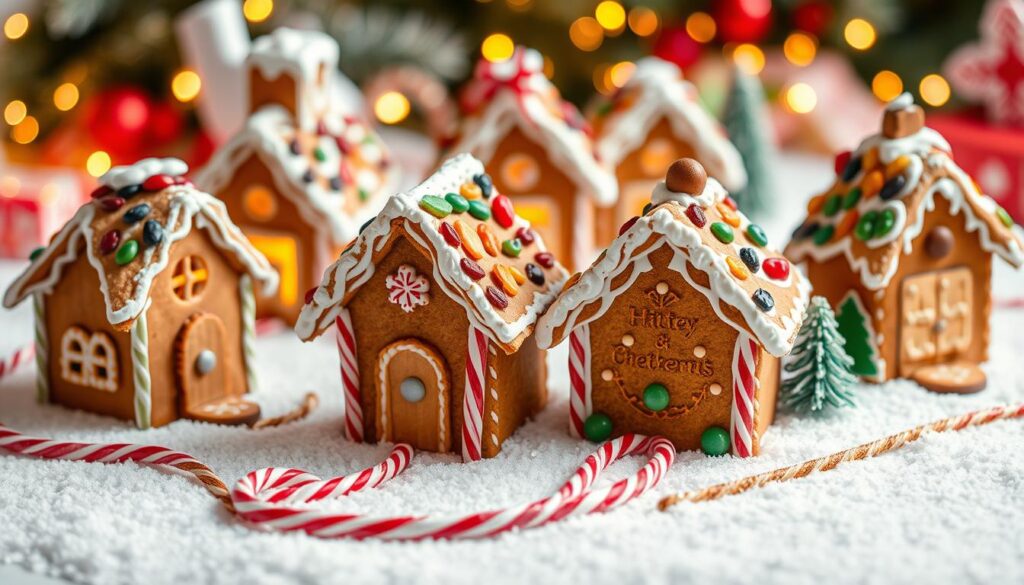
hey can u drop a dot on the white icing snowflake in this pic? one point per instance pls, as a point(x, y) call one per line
point(407, 289)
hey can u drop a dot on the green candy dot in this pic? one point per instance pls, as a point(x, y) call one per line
point(479, 209)
point(714, 441)
point(885, 223)
point(435, 206)
point(364, 195)
point(36, 253)
point(127, 252)
point(511, 248)
point(757, 235)
point(866, 226)
point(597, 427)
point(824, 234)
point(852, 198)
point(319, 154)
point(647, 208)
point(458, 202)
point(1004, 217)
point(723, 232)
point(656, 397)
point(832, 205)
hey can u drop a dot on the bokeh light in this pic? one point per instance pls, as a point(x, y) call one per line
point(860, 34)
point(610, 15)
point(801, 98)
point(643, 21)
point(497, 47)
point(701, 27)
point(586, 33)
point(186, 85)
point(97, 163)
point(26, 130)
point(800, 49)
point(934, 90)
point(886, 85)
point(749, 58)
point(256, 11)
point(391, 107)
point(65, 96)
point(16, 26)
point(15, 112)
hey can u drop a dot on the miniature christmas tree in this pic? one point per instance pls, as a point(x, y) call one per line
point(821, 373)
point(746, 122)
point(853, 327)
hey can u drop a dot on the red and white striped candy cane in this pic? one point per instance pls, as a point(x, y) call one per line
point(579, 379)
point(21, 356)
point(277, 498)
point(744, 392)
point(473, 395)
point(346, 341)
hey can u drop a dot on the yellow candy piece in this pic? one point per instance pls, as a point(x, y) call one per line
point(503, 277)
point(872, 184)
point(897, 166)
point(470, 241)
point(471, 190)
point(517, 275)
point(728, 215)
point(490, 241)
point(737, 267)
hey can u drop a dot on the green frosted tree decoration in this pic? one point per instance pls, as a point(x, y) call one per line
point(820, 374)
point(746, 121)
point(853, 327)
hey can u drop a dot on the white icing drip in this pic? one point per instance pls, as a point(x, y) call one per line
point(713, 193)
point(355, 267)
point(902, 102)
point(320, 208)
point(665, 94)
point(135, 174)
point(303, 54)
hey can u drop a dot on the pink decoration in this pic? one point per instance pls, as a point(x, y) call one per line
point(407, 289)
point(744, 388)
point(349, 377)
point(580, 404)
point(34, 205)
point(473, 402)
point(21, 356)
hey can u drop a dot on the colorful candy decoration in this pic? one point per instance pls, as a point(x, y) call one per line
point(535, 274)
point(496, 298)
point(479, 209)
point(436, 206)
point(723, 232)
point(451, 237)
point(656, 397)
point(127, 252)
point(501, 209)
point(545, 259)
point(458, 202)
point(776, 268)
point(714, 441)
point(597, 427)
point(757, 235)
point(696, 215)
point(136, 213)
point(471, 269)
point(763, 299)
point(110, 241)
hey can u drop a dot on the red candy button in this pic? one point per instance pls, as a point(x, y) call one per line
point(545, 259)
point(472, 269)
point(101, 191)
point(112, 203)
point(181, 181)
point(526, 235)
point(110, 241)
point(449, 234)
point(497, 298)
point(730, 203)
point(776, 268)
point(842, 159)
point(696, 215)
point(158, 183)
point(629, 223)
point(501, 209)
point(310, 293)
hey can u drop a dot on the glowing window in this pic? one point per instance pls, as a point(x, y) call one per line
point(189, 278)
point(259, 203)
point(656, 157)
point(520, 172)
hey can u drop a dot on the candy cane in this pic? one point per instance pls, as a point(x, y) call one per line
point(579, 378)
point(473, 395)
point(744, 392)
point(346, 341)
point(21, 356)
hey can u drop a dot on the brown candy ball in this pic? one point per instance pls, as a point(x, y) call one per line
point(686, 176)
point(940, 242)
point(903, 122)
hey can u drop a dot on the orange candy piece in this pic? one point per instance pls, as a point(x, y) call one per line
point(737, 267)
point(470, 241)
point(872, 184)
point(897, 166)
point(490, 241)
point(870, 160)
point(517, 275)
point(503, 277)
point(846, 224)
point(471, 190)
point(728, 215)
point(816, 203)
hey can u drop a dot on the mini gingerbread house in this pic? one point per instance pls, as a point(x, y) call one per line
point(678, 327)
point(654, 119)
point(299, 178)
point(538, 150)
point(901, 245)
point(435, 303)
point(144, 303)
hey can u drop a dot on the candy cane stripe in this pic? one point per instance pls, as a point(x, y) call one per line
point(473, 399)
point(346, 342)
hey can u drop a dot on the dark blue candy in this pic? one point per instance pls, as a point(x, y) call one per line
point(336, 183)
point(152, 232)
point(851, 169)
point(294, 147)
point(483, 180)
point(749, 257)
point(535, 274)
point(805, 231)
point(763, 299)
point(892, 187)
point(136, 213)
point(308, 176)
point(129, 191)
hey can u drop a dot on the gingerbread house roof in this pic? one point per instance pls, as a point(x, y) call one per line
point(472, 274)
point(336, 175)
point(309, 57)
point(876, 207)
point(146, 207)
point(516, 94)
point(657, 91)
point(717, 251)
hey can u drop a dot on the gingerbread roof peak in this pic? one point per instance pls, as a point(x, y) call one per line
point(746, 278)
point(461, 236)
point(657, 91)
point(304, 53)
point(127, 235)
point(877, 205)
point(336, 176)
point(515, 94)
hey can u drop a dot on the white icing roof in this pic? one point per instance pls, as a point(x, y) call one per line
point(300, 52)
point(657, 90)
point(538, 112)
point(355, 266)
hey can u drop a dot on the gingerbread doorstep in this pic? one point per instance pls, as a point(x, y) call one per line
point(678, 327)
point(654, 119)
point(435, 304)
point(901, 244)
point(144, 303)
point(299, 177)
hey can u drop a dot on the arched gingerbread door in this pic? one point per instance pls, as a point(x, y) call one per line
point(414, 396)
point(203, 383)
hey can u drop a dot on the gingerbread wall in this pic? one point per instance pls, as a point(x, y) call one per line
point(522, 390)
point(281, 90)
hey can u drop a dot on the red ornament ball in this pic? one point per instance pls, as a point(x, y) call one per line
point(743, 21)
point(813, 16)
point(674, 44)
point(166, 123)
point(118, 120)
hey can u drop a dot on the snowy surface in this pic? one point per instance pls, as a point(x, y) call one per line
point(948, 509)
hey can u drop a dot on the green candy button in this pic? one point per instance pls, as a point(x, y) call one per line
point(597, 427)
point(36, 253)
point(714, 441)
point(127, 252)
point(656, 397)
point(458, 202)
point(435, 206)
point(886, 220)
point(824, 234)
point(1004, 217)
point(833, 205)
point(866, 226)
point(479, 210)
point(723, 232)
point(511, 248)
point(852, 198)
point(757, 235)
point(319, 154)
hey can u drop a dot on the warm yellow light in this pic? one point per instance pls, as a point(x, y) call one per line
point(749, 58)
point(26, 130)
point(9, 186)
point(610, 15)
point(65, 96)
point(701, 27)
point(520, 5)
point(497, 47)
point(257, 10)
point(801, 98)
point(643, 21)
point(186, 85)
point(97, 163)
point(800, 49)
point(602, 79)
point(586, 33)
point(620, 73)
point(934, 90)
point(16, 26)
point(391, 107)
point(886, 85)
point(860, 34)
point(549, 67)
point(15, 112)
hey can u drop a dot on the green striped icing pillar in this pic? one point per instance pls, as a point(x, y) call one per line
point(140, 372)
point(248, 329)
point(42, 349)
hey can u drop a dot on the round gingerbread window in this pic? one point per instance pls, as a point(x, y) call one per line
point(259, 203)
point(520, 172)
point(189, 278)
